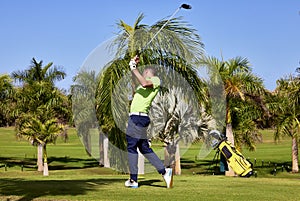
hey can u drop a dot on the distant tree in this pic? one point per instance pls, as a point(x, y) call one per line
point(38, 73)
point(38, 97)
point(6, 102)
point(37, 89)
point(83, 100)
point(287, 109)
point(40, 131)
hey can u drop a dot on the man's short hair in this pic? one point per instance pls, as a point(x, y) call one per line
point(152, 69)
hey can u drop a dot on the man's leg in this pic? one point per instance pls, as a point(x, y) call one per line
point(167, 173)
point(144, 148)
point(132, 157)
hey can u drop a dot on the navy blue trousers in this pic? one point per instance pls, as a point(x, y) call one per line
point(136, 136)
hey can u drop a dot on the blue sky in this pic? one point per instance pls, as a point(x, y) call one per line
point(267, 32)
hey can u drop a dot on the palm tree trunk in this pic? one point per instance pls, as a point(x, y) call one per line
point(105, 152)
point(87, 142)
point(230, 138)
point(177, 161)
point(295, 164)
point(45, 172)
point(170, 151)
point(229, 133)
point(103, 149)
point(40, 157)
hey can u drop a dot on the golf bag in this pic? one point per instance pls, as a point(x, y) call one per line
point(239, 164)
point(235, 159)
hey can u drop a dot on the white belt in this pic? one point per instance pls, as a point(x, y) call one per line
point(138, 113)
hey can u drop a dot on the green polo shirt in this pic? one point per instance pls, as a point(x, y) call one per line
point(144, 96)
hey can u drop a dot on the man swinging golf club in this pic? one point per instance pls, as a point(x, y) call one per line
point(136, 133)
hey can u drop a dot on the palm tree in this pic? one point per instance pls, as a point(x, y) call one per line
point(40, 132)
point(246, 117)
point(177, 38)
point(287, 121)
point(38, 73)
point(38, 100)
point(83, 101)
point(38, 93)
point(177, 117)
point(241, 88)
point(38, 87)
point(176, 46)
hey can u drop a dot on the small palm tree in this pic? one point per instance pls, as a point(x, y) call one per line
point(287, 121)
point(177, 116)
point(40, 133)
point(174, 120)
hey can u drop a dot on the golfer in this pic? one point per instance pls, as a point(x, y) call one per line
point(136, 133)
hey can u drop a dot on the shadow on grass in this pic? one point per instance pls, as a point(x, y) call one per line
point(202, 167)
point(28, 189)
point(55, 163)
point(63, 163)
point(151, 183)
point(212, 167)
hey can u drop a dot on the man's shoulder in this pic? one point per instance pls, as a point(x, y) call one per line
point(155, 80)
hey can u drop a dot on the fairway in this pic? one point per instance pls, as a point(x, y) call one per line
point(90, 185)
point(75, 176)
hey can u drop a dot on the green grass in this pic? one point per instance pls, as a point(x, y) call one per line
point(94, 185)
point(75, 176)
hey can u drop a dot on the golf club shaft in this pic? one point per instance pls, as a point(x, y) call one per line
point(160, 29)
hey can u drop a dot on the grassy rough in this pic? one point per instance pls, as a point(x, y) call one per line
point(75, 176)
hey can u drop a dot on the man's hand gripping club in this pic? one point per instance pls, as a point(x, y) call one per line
point(134, 62)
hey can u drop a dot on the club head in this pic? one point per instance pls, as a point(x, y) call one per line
point(186, 6)
point(214, 143)
point(216, 134)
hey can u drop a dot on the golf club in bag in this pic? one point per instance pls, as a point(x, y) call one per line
point(239, 164)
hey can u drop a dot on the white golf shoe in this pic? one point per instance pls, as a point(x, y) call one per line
point(131, 183)
point(168, 177)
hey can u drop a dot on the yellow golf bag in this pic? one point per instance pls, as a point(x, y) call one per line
point(235, 159)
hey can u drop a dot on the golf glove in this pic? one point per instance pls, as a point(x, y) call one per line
point(132, 64)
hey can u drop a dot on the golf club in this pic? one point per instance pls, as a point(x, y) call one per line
point(184, 6)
